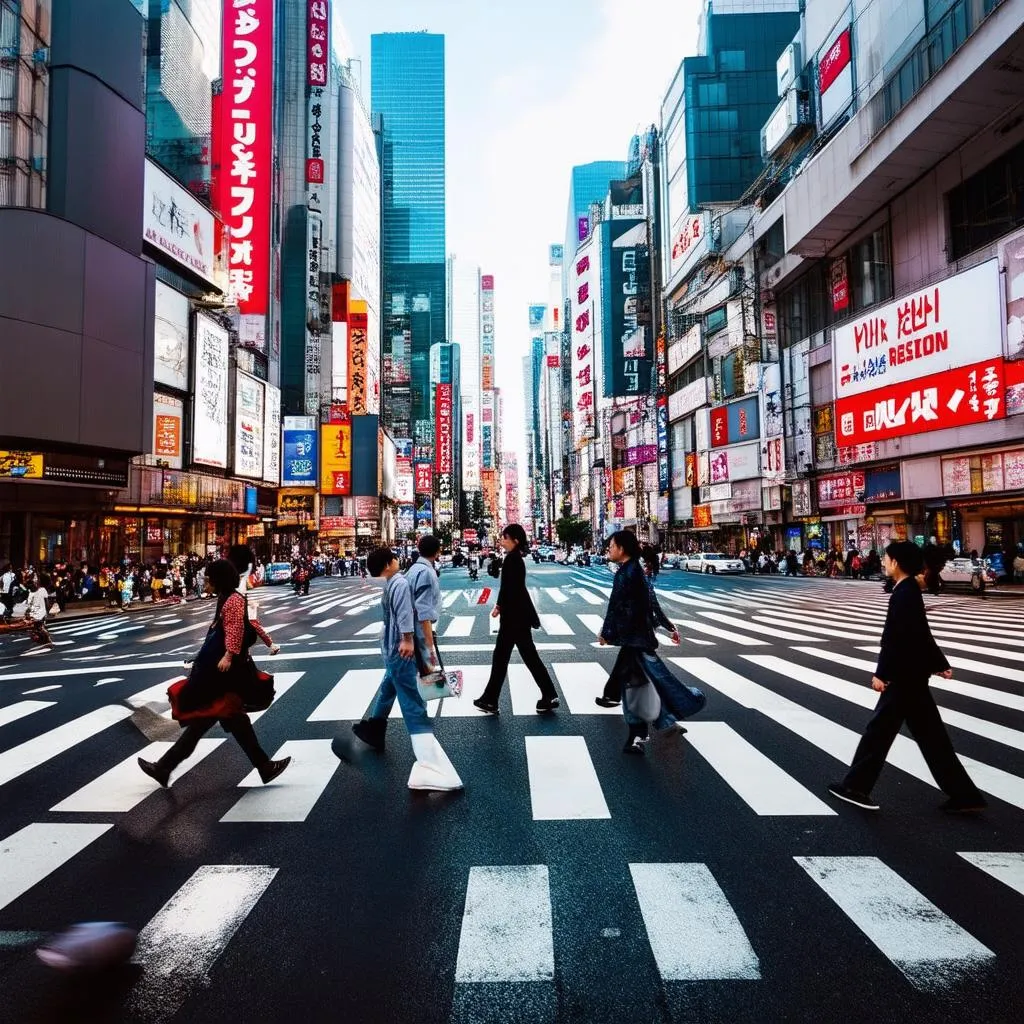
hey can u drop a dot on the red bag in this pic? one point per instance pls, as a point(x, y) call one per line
point(224, 707)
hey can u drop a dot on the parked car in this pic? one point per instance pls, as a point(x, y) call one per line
point(279, 572)
point(672, 561)
point(964, 572)
point(713, 562)
point(544, 554)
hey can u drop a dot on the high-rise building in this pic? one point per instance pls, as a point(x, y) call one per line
point(408, 92)
point(588, 184)
point(464, 329)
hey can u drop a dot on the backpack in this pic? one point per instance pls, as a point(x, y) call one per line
point(494, 568)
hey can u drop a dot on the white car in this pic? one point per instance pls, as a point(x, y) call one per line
point(713, 562)
point(965, 572)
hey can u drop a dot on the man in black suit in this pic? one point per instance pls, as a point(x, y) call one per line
point(909, 655)
point(518, 620)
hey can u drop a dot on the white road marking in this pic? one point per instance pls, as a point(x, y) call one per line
point(753, 627)
point(588, 596)
point(373, 629)
point(556, 595)
point(36, 851)
point(555, 625)
point(592, 622)
point(460, 626)
point(283, 682)
point(983, 668)
point(350, 698)
point(15, 761)
point(693, 931)
point(507, 933)
point(755, 778)
point(449, 599)
point(1007, 868)
point(180, 945)
point(174, 632)
point(581, 683)
point(42, 689)
point(722, 634)
point(523, 690)
point(326, 623)
point(125, 785)
point(24, 708)
point(931, 950)
point(563, 783)
point(293, 796)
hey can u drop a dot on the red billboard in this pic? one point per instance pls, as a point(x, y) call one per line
point(443, 425)
point(243, 150)
point(719, 426)
point(487, 283)
point(317, 52)
point(424, 478)
point(834, 61)
point(952, 398)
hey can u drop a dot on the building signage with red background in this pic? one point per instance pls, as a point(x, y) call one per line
point(701, 517)
point(243, 150)
point(719, 426)
point(553, 362)
point(834, 61)
point(840, 285)
point(841, 490)
point(317, 53)
point(929, 361)
point(443, 436)
point(424, 474)
point(691, 231)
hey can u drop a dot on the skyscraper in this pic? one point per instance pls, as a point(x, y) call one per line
point(464, 329)
point(408, 91)
point(588, 184)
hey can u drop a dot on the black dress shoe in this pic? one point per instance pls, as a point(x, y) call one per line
point(154, 771)
point(606, 702)
point(481, 705)
point(548, 704)
point(372, 731)
point(272, 769)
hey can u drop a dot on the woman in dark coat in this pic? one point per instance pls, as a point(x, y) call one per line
point(219, 677)
point(518, 620)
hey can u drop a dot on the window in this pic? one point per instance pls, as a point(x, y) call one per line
point(715, 321)
point(870, 268)
point(732, 60)
point(730, 363)
point(988, 204)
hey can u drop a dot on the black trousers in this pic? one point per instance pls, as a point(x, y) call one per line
point(620, 671)
point(911, 703)
point(523, 640)
point(239, 726)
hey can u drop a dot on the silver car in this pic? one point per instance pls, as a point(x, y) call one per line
point(713, 562)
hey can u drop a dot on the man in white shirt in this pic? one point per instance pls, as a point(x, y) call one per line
point(7, 591)
point(36, 611)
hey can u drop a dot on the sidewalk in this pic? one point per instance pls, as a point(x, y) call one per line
point(99, 609)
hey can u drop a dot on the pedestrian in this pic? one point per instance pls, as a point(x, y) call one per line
point(221, 676)
point(518, 620)
point(432, 769)
point(908, 656)
point(7, 582)
point(242, 558)
point(426, 598)
point(36, 612)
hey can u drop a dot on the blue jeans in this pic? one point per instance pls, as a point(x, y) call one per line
point(400, 681)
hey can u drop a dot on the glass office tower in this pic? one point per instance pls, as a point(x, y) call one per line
point(407, 87)
point(588, 184)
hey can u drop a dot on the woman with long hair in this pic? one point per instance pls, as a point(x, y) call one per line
point(518, 620)
point(216, 685)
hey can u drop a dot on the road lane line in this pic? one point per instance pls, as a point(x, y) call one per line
point(373, 629)
point(180, 945)
point(693, 931)
point(36, 851)
point(350, 697)
point(326, 623)
point(563, 783)
point(16, 761)
point(23, 708)
point(1007, 868)
point(449, 599)
point(174, 632)
point(125, 786)
point(587, 596)
point(932, 951)
point(507, 933)
point(757, 780)
point(293, 796)
point(556, 595)
point(592, 622)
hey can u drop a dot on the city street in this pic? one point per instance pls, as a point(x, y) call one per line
point(711, 880)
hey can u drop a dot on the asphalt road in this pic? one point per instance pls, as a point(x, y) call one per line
point(711, 880)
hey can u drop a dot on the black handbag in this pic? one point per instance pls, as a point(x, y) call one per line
point(258, 692)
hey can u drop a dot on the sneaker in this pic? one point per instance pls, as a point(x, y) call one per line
point(548, 704)
point(853, 796)
point(371, 732)
point(481, 705)
point(605, 702)
point(960, 805)
point(272, 769)
point(154, 771)
point(637, 745)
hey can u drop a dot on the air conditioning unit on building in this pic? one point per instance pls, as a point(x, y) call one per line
point(787, 67)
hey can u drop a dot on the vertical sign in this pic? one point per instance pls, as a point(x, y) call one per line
point(443, 420)
point(317, 65)
point(840, 285)
point(336, 458)
point(210, 387)
point(272, 437)
point(582, 346)
point(249, 422)
point(300, 451)
point(317, 48)
point(245, 156)
point(314, 235)
point(358, 393)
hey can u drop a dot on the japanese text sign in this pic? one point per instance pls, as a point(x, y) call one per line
point(317, 45)
point(443, 426)
point(424, 477)
point(336, 458)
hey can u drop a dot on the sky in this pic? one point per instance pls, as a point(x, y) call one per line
point(533, 88)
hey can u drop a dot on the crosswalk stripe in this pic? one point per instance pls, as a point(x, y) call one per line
point(588, 596)
point(373, 629)
point(16, 761)
point(932, 951)
point(507, 933)
point(326, 623)
point(474, 679)
point(555, 625)
point(865, 698)
point(731, 620)
point(581, 684)
point(493, 625)
point(692, 929)
point(449, 599)
point(563, 782)
point(283, 682)
point(960, 634)
point(294, 795)
point(1007, 868)
point(556, 595)
point(125, 786)
point(983, 668)
point(973, 690)
point(756, 779)
point(722, 634)
point(460, 626)
point(523, 690)
point(818, 628)
point(987, 650)
point(180, 945)
point(349, 698)
point(592, 622)
point(34, 852)
point(23, 708)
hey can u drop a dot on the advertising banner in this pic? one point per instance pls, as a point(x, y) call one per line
point(691, 397)
point(641, 455)
point(629, 307)
point(555, 255)
point(682, 351)
point(406, 519)
point(663, 457)
point(295, 508)
point(318, 52)
point(740, 463)
point(773, 460)
point(175, 222)
point(210, 385)
point(336, 458)
point(300, 451)
point(470, 445)
point(841, 489)
point(249, 424)
point(405, 484)
point(840, 285)
point(358, 391)
point(170, 338)
point(21, 465)
point(701, 517)
point(443, 420)
point(244, 151)
point(423, 473)
point(1015, 388)
point(314, 241)
point(584, 391)
point(272, 436)
point(719, 427)
point(168, 420)
point(487, 332)
point(835, 76)
point(537, 317)
point(688, 239)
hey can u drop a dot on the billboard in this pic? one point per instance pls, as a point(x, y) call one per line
point(731, 424)
point(537, 317)
point(272, 436)
point(314, 242)
point(249, 416)
point(299, 468)
point(582, 278)
point(835, 76)
point(244, 152)
point(423, 478)
point(444, 455)
point(470, 445)
point(176, 223)
point(487, 332)
point(358, 392)
point(318, 53)
point(628, 348)
point(929, 361)
point(336, 457)
point(170, 338)
point(556, 254)
point(688, 239)
point(210, 386)
point(168, 423)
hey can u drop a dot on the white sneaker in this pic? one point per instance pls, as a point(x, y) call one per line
point(432, 770)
